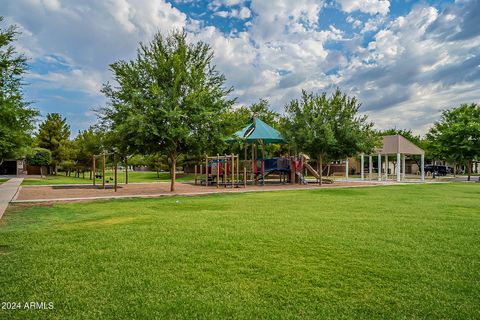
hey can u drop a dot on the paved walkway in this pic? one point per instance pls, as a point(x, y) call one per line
point(8, 190)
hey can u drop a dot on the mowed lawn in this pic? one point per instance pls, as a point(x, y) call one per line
point(133, 176)
point(398, 252)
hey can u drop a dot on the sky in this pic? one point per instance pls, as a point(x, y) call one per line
point(405, 61)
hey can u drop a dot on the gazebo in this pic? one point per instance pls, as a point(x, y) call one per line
point(393, 145)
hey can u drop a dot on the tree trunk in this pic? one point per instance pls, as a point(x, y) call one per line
point(320, 171)
point(91, 174)
point(469, 169)
point(454, 170)
point(126, 170)
point(328, 170)
point(173, 171)
point(158, 173)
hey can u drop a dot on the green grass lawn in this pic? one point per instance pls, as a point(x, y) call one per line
point(398, 252)
point(133, 176)
point(3, 180)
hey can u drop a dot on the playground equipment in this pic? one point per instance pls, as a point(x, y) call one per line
point(222, 171)
point(229, 171)
point(102, 175)
point(225, 170)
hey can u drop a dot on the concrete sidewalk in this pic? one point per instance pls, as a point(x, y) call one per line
point(8, 190)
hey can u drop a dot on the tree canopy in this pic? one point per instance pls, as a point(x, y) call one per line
point(168, 100)
point(328, 128)
point(16, 115)
point(456, 137)
point(54, 134)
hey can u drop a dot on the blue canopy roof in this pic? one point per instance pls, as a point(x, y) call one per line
point(260, 133)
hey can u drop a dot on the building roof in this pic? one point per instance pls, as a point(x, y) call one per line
point(259, 132)
point(398, 144)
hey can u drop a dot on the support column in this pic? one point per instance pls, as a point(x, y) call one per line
point(379, 167)
point(103, 171)
point(399, 167)
point(386, 167)
point(370, 167)
point(422, 167)
point(403, 166)
point(94, 170)
point(346, 169)
point(362, 164)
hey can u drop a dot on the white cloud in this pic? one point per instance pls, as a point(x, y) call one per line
point(415, 65)
point(242, 14)
point(368, 6)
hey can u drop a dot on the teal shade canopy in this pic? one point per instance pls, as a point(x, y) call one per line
point(258, 132)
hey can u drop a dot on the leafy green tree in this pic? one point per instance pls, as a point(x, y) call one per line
point(238, 118)
point(168, 100)
point(87, 143)
point(457, 135)
point(328, 128)
point(39, 157)
point(16, 117)
point(54, 134)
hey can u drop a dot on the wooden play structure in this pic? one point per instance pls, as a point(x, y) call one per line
point(230, 171)
point(103, 157)
point(221, 171)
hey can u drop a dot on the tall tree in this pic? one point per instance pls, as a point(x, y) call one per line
point(54, 134)
point(16, 116)
point(39, 157)
point(87, 144)
point(328, 128)
point(168, 100)
point(457, 135)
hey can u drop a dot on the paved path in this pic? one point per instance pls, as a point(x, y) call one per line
point(8, 190)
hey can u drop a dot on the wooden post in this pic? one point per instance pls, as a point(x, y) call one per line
point(252, 174)
point(195, 174)
point(238, 168)
point(94, 170)
point(115, 166)
point(218, 169)
point(292, 170)
point(245, 159)
point(206, 170)
point(233, 170)
point(103, 172)
point(244, 177)
point(126, 169)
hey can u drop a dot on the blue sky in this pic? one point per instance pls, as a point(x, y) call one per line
point(406, 61)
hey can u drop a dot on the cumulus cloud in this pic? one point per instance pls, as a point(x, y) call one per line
point(367, 6)
point(404, 70)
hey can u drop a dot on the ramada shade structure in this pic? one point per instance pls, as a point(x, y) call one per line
point(258, 132)
point(399, 146)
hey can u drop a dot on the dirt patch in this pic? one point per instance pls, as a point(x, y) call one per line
point(75, 193)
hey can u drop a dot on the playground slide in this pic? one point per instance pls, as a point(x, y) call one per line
point(315, 173)
point(311, 170)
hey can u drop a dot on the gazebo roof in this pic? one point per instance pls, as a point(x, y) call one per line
point(259, 132)
point(398, 144)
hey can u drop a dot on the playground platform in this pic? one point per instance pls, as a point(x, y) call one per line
point(52, 193)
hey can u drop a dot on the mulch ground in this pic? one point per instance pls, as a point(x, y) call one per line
point(77, 192)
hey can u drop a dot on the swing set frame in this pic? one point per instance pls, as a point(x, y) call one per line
point(103, 156)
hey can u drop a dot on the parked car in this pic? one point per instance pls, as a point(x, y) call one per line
point(438, 169)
